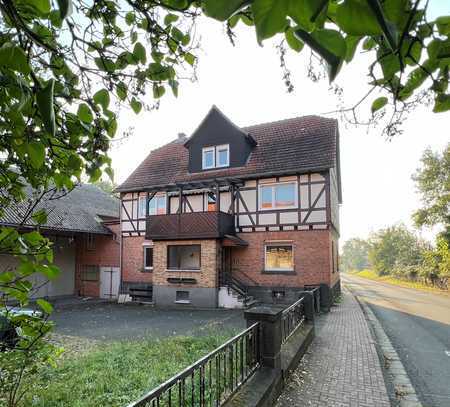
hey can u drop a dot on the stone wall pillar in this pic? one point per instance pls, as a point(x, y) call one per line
point(269, 318)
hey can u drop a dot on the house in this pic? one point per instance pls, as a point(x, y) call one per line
point(232, 213)
point(84, 228)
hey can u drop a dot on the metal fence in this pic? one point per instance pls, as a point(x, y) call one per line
point(292, 318)
point(213, 379)
point(316, 298)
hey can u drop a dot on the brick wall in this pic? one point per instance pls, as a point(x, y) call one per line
point(133, 260)
point(106, 252)
point(312, 258)
point(206, 277)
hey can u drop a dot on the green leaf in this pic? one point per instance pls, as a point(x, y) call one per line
point(223, 9)
point(189, 58)
point(308, 14)
point(121, 90)
point(174, 86)
point(36, 152)
point(136, 105)
point(139, 53)
point(84, 113)
point(356, 18)
point(443, 25)
point(40, 216)
point(389, 29)
point(130, 18)
point(379, 103)
point(44, 306)
point(26, 268)
point(102, 98)
point(329, 44)
point(270, 17)
point(105, 64)
point(74, 162)
point(14, 58)
point(42, 6)
point(44, 101)
point(158, 91)
point(48, 270)
point(352, 44)
point(65, 8)
point(390, 65)
point(293, 41)
point(6, 277)
point(170, 18)
point(441, 103)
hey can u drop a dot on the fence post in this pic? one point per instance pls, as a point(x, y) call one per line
point(308, 303)
point(270, 341)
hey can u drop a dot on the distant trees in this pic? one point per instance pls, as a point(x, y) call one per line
point(433, 183)
point(398, 251)
point(355, 254)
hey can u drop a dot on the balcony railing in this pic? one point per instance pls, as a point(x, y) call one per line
point(193, 225)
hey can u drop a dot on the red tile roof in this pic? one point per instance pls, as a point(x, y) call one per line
point(300, 144)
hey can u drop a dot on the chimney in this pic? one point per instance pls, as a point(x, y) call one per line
point(182, 137)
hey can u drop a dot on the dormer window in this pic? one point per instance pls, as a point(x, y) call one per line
point(216, 157)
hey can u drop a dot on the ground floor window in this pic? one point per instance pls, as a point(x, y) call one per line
point(148, 258)
point(90, 273)
point(183, 257)
point(279, 257)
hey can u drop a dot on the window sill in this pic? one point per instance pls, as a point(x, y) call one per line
point(183, 270)
point(182, 302)
point(287, 272)
point(149, 270)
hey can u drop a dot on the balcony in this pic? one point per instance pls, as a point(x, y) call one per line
point(193, 225)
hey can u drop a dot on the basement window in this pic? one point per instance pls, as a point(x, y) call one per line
point(183, 257)
point(182, 297)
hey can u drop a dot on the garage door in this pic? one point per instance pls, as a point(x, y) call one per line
point(64, 258)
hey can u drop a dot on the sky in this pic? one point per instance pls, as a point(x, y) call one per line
point(245, 82)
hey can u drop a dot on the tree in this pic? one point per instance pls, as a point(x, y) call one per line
point(433, 183)
point(106, 185)
point(63, 65)
point(355, 254)
point(394, 247)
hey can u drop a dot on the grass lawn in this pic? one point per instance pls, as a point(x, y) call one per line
point(370, 274)
point(114, 374)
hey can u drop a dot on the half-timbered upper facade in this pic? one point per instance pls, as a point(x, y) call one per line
point(253, 208)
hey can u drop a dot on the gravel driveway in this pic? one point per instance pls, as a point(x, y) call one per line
point(111, 321)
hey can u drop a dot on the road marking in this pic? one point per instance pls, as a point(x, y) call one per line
point(447, 352)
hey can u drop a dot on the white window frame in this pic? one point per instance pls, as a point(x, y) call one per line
point(269, 244)
point(215, 151)
point(223, 147)
point(206, 150)
point(274, 185)
point(144, 249)
point(143, 207)
point(158, 197)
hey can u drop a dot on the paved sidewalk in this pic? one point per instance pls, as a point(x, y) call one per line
point(341, 368)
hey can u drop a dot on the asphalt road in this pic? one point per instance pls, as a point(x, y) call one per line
point(418, 325)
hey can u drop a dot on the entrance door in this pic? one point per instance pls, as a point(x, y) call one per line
point(109, 282)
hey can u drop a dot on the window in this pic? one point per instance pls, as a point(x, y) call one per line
point(209, 160)
point(182, 297)
point(211, 201)
point(183, 257)
point(148, 258)
point(90, 273)
point(216, 157)
point(223, 156)
point(90, 242)
point(279, 257)
point(278, 196)
point(156, 206)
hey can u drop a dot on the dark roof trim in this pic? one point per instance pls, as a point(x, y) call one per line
point(249, 138)
point(226, 180)
point(59, 230)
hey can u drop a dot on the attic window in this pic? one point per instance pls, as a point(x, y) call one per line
point(216, 156)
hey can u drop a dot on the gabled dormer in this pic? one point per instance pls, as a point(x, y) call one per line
point(217, 144)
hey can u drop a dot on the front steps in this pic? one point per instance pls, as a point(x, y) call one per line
point(230, 298)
